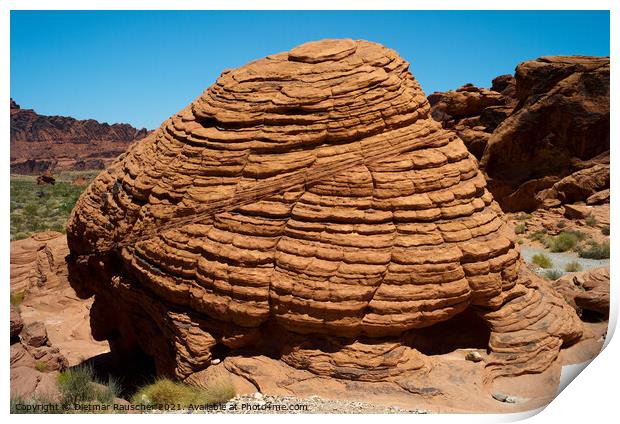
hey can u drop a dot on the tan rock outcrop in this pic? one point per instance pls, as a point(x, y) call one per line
point(307, 205)
point(39, 279)
point(33, 360)
point(587, 290)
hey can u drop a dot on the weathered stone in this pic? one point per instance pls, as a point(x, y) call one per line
point(577, 211)
point(16, 322)
point(561, 119)
point(34, 335)
point(306, 204)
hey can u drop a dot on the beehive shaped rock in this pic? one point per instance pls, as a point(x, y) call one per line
point(305, 202)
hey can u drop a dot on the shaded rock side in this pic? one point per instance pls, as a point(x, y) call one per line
point(556, 140)
point(304, 201)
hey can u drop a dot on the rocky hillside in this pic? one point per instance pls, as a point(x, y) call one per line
point(40, 143)
point(542, 136)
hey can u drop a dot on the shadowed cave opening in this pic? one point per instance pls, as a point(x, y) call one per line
point(130, 372)
point(466, 330)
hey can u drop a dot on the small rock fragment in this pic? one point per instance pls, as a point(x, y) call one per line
point(473, 356)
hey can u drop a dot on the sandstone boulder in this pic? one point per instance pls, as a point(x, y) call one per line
point(472, 112)
point(35, 335)
point(308, 206)
point(561, 119)
point(587, 290)
point(46, 179)
point(16, 322)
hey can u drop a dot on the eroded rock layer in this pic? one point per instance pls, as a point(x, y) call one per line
point(306, 202)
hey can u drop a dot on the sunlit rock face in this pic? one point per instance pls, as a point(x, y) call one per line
point(308, 206)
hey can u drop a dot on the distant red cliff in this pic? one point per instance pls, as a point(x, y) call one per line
point(40, 143)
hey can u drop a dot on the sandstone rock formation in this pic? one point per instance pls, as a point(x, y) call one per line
point(586, 291)
point(40, 143)
point(39, 275)
point(473, 113)
point(308, 207)
point(561, 121)
point(542, 137)
point(33, 359)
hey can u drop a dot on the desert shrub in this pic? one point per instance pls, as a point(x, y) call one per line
point(520, 229)
point(40, 366)
point(561, 224)
point(520, 241)
point(39, 208)
point(573, 266)
point(552, 274)
point(605, 230)
point(168, 392)
point(542, 260)
point(594, 250)
point(523, 216)
point(106, 393)
point(537, 235)
point(76, 384)
point(591, 221)
point(565, 241)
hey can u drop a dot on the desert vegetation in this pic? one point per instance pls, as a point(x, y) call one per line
point(542, 261)
point(36, 208)
point(594, 250)
point(573, 266)
point(167, 392)
point(552, 274)
point(76, 386)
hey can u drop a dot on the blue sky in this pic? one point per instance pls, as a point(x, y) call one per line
point(141, 67)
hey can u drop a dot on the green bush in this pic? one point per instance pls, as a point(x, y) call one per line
point(79, 385)
point(566, 240)
point(538, 235)
point(591, 221)
point(563, 242)
point(40, 366)
point(520, 229)
point(605, 230)
point(595, 250)
point(552, 274)
point(168, 392)
point(573, 266)
point(542, 260)
point(76, 384)
point(561, 224)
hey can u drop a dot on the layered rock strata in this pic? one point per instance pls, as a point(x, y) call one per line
point(473, 112)
point(308, 206)
point(41, 143)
